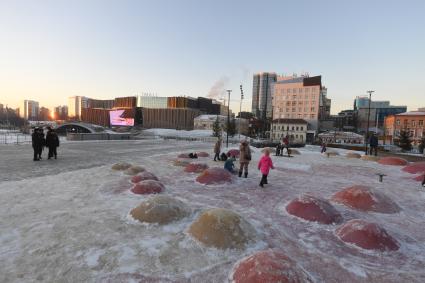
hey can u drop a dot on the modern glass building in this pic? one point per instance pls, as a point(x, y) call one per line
point(262, 88)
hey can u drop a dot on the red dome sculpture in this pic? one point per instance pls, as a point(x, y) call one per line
point(214, 176)
point(363, 198)
point(182, 163)
point(415, 168)
point(143, 176)
point(419, 178)
point(195, 167)
point(396, 161)
point(366, 235)
point(233, 152)
point(314, 209)
point(183, 155)
point(203, 154)
point(267, 266)
point(148, 187)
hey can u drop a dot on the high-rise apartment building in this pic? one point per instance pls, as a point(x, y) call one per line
point(75, 105)
point(300, 98)
point(29, 110)
point(60, 112)
point(262, 88)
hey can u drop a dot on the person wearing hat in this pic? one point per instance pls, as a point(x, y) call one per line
point(37, 143)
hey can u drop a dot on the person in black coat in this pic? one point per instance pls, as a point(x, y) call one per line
point(37, 144)
point(52, 142)
point(42, 142)
point(373, 142)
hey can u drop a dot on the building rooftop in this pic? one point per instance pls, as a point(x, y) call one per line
point(290, 121)
point(210, 117)
point(412, 113)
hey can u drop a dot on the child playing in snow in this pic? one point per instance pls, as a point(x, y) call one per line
point(264, 166)
point(229, 165)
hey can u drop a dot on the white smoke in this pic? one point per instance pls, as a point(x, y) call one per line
point(219, 87)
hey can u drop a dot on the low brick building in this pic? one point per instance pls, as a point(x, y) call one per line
point(412, 122)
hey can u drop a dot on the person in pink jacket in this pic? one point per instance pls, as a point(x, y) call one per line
point(264, 165)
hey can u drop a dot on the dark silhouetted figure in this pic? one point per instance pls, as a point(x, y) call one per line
point(37, 143)
point(52, 142)
point(373, 143)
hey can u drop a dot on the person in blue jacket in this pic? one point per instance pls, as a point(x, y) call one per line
point(229, 164)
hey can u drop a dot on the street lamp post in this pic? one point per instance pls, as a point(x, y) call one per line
point(228, 117)
point(240, 110)
point(368, 121)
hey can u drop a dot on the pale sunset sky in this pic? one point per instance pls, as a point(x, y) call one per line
point(50, 50)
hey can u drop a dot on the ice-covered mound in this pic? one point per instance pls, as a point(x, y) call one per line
point(133, 170)
point(366, 235)
point(214, 176)
point(182, 163)
point(314, 209)
point(331, 153)
point(195, 167)
point(121, 166)
point(161, 210)
point(396, 161)
point(148, 187)
point(143, 176)
point(353, 155)
point(203, 154)
point(415, 168)
point(183, 155)
point(370, 158)
point(267, 266)
point(363, 198)
point(223, 229)
point(233, 152)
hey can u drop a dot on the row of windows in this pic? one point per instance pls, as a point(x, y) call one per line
point(298, 90)
point(280, 96)
point(294, 109)
point(300, 116)
point(413, 123)
point(293, 128)
point(276, 136)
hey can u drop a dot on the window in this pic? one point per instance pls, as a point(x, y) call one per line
point(296, 136)
point(274, 128)
point(300, 90)
point(413, 123)
point(289, 90)
point(302, 128)
point(293, 127)
point(287, 128)
point(307, 89)
point(421, 123)
point(398, 122)
point(297, 128)
point(293, 109)
point(294, 90)
point(294, 103)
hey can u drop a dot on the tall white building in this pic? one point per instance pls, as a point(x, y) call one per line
point(29, 110)
point(75, 104)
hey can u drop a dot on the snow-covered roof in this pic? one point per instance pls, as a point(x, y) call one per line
point(412, 113)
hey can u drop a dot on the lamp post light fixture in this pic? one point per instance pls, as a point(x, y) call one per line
point(228, 117)
point(368, 121)
point(240, 110)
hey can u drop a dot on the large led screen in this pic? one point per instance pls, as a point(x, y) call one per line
point(121, 117)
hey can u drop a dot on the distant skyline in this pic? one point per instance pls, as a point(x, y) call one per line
point(51, 50)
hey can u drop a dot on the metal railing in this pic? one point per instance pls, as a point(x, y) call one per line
point(14, 138)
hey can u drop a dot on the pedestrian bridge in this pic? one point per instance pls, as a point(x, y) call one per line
point(77, 127)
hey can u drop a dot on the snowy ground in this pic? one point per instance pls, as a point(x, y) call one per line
point(66, 220)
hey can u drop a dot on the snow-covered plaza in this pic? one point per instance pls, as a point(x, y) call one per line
point(68, 220)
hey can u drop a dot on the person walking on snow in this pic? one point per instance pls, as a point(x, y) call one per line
point(37, 144)
point(285, 142)
point(217, 150)
point(244, 158)
point(264, 165)
point(373, 142)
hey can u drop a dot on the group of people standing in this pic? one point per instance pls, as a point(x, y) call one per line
point(39, 141)
point(264, 165)
point(283, 145)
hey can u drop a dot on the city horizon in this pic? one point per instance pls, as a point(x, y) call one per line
point(57, 50)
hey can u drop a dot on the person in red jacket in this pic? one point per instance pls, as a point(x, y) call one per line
point(264, 165)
